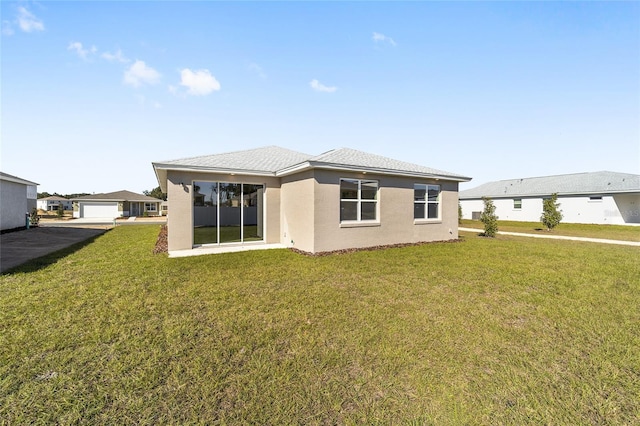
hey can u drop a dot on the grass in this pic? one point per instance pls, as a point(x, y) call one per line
point(485, 331)
point(612, 232)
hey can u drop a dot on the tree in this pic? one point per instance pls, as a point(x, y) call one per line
point(551, 215)
point(459, 213)
point(489, 218)
point(156, 193)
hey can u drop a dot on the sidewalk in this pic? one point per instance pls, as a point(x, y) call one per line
point(559, 237)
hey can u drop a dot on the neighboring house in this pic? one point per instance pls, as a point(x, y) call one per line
point(17, 199)
point(599, 197)
point(164, 208)
point(341, 199)
point(54, 203)
point(115, 204)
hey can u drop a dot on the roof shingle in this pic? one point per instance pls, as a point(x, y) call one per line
point(274, 160)
point(604, 182)
point(117, 196)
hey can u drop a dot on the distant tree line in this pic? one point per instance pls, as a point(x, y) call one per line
point(156, 193)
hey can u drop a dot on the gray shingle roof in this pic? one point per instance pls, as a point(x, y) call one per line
point(273, 160)
point(348, 157)
point(117, 196)
point(53, 198)
point(571, 184)
point(267, 159)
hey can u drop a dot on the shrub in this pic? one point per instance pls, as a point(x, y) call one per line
point(34, 219)
point(489, 218)
point(551, 215)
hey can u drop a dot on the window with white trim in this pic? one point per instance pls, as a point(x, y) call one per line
point(517, 203)
point(426, 201)
point(358, 200)
point(150, 207)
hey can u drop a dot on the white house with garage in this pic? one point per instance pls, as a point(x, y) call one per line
point(115, 204)
point(597, 197)
point(17, 199)
point(54, 203)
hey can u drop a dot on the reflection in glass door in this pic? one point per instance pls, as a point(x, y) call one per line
point(230, 212)
point(205, 213)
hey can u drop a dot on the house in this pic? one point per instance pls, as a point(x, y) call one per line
point(341, 199)
point(17, 199)
point(54, 203)
point(598, 197)
point(115, 204)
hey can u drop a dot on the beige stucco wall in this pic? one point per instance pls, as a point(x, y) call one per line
point(303, 210)
point(395, 204)
point(297, 207)
point(179, 197)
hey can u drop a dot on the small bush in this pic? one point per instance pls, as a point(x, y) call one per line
point(551, 215)
point(34, 219)
point(489, 218)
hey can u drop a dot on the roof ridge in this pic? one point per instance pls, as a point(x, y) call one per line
point(561, 174)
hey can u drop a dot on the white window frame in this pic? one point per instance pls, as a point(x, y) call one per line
point(426, 203)
point(153, 207)
point(517, 203)
point(359, 201)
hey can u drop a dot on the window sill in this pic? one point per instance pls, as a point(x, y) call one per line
point(359, 224)
point(426, 221)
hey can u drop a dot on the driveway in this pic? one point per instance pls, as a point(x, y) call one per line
point(19, 247)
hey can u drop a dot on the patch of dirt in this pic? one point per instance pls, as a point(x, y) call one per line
point(162, 243)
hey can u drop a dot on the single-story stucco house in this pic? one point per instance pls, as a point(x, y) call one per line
point(54, 203)
point(341, 199)
point(597, 197)
point(17, 200)
point(115, 204)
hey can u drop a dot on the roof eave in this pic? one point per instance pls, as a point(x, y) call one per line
point(207, 169)
point(546, 194)
point(307, 165)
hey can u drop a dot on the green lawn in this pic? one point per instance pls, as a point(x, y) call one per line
point(484, 331)
point(612, 232)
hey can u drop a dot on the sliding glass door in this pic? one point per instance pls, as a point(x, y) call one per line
point(226, 212)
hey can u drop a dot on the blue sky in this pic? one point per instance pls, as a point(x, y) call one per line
point(93, 92)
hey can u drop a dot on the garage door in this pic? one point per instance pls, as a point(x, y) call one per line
point(99, 210)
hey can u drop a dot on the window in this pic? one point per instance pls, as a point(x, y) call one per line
point(358, 200)
point(150, 207)
point(595, 198)
point(426, 201)
point(517, 203)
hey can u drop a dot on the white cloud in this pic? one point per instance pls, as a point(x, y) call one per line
point(80, 50)
point(139, 73)
point(258, 70)
point(28, 22)
point(319, 87)
point(199, 82)
point(381, 38)
point(115, 57)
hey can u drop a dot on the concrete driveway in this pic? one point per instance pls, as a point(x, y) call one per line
point(19, 247)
